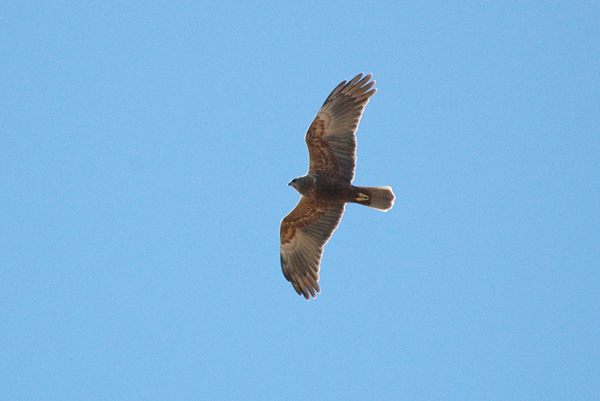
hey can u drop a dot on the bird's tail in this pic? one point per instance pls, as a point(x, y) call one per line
point(381, 198)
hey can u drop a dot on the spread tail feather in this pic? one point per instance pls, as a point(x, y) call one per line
point(381, 198)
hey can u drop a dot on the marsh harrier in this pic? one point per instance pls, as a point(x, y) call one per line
point(327, 186)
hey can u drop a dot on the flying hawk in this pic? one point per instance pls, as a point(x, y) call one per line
point(327, 186)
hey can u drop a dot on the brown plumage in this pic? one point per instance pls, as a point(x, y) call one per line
point(327, 186)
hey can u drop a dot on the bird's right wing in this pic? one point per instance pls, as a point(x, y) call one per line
point(304, 232)
point(331, 138)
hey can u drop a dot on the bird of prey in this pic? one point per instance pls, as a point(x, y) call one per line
point(327, 186)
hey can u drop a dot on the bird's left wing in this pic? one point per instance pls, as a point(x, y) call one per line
point(304, 232)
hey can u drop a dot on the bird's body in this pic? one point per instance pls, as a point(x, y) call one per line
point(321, 188)
point(327, 186)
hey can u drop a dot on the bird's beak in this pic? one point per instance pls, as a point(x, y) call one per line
point(290, 183)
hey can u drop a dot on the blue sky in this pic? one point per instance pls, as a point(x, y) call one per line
point(145, 150)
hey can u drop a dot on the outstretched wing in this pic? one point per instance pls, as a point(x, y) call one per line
point(304, 232)
point(330, 138)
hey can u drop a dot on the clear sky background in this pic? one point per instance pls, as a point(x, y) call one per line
point(144, 154)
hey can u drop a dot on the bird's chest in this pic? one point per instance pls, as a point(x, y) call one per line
point(330, 190)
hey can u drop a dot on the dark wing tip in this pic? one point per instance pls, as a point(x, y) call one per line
point(305, 290)
point(360, 87)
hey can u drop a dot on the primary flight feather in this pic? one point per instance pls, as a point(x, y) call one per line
point(327, 186)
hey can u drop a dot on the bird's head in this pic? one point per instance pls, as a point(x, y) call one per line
point(301, 184)
point(295, 183)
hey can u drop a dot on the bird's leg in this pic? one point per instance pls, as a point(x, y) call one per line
point(362, 197)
